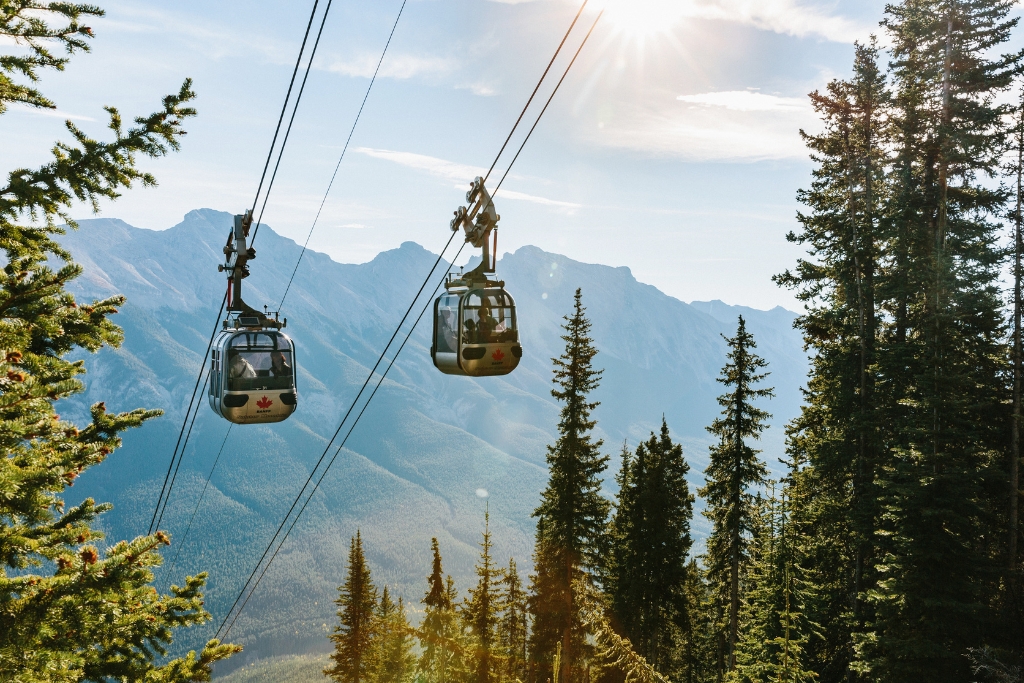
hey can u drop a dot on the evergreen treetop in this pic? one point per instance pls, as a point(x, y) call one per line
point(67, 610)
point(357, 603)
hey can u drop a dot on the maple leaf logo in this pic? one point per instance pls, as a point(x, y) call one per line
point(497, 355)
point(264, 403)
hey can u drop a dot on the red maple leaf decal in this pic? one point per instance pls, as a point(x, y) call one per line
point(264, 403)
point(497, 355)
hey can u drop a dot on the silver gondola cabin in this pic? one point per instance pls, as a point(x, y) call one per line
point(475, 327)
point(252, 364)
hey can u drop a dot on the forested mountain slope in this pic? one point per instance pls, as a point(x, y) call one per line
point(413, 466)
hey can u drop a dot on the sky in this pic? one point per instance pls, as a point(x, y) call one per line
point(672, 147)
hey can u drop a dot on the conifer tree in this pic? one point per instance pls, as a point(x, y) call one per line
point(481, 613)
point(513, 626)
point(774, 630)
point(354, 634)
point(442, 640)
point(698, 650)
point(839, 431)
point(946, 402)
point(650, 540)
point(69, 611)
point(572, 515)
point(391, 645)
point(733, 469)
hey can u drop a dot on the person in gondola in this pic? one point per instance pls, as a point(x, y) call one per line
point(485, 325)
point(279, 365)
point(240, 368)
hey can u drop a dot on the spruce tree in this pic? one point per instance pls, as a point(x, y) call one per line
point(774, 630)
point(69, 611)
point(513, 626)
point(843, 285)
point(944, 355)
point(650, 541)
point(391, 656)
point(443, 642)
point(481, 613)
point(354, 634)
point(733, 469)
point(572, 515)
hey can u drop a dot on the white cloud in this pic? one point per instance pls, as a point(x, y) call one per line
point(460, 174)
point(738, 126)
point(54, 113)
point(790, 17)
point(745, 100)
point(395, 66)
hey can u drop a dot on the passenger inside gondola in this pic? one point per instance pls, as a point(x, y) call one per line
point(240, 368)
point(279, 365)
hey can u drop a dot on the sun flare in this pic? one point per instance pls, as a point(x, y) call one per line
point(642, 18)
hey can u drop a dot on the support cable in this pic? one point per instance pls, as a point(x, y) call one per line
point(232, 615)
point(179, 447)
point(337, 452)
point(340, 158)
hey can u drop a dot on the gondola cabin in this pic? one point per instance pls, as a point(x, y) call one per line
point(475, 332)
point(252, 375)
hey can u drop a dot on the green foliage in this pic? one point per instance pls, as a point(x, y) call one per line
point(572, 516)
point(613, 648)
point(481, 613)
point(352, 637)
point(391, 656)
point(733, 469)
point(650, 535)
point(774, 630)
point(513, 625)
point(445, 645)
point(68, 611)
point(26, 21)
point(901, 488)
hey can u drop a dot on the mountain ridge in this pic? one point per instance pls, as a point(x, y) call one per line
point(426, 445)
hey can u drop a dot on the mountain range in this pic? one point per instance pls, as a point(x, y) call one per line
point(430, 450)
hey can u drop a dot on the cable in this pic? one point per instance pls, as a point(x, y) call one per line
point(551, 97)
point(535, 89)
point(337, 452)
point(213, 469)
point(288, 132)
point(181, 455)
point(245, 587)
point(343, 150)
point(162, 500)
point(342, 423)
point(170, 466)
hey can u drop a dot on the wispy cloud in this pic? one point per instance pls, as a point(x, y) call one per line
point(399, 66)
point(52, 113)
point(734, 126)
point(459, 174)
point(787, 17)
point(746, 100)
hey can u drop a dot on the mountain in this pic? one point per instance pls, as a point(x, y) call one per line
point(416, 463)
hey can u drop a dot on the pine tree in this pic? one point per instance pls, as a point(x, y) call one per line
point(354, 634)
point(69, 611)
point(391, 653)
point(698, 649)
point(733, 469)
point(443, 643)
point(838, 430)
point(774, 630)
point(943, 357)
point(650, 541)
point(481, 613)
point(572, 515)
point(513, 626)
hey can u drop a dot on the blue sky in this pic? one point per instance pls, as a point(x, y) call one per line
point(672, 147)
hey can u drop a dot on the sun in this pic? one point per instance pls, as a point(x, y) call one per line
point(643, 18)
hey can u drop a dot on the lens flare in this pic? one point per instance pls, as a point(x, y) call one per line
point(642, 18)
